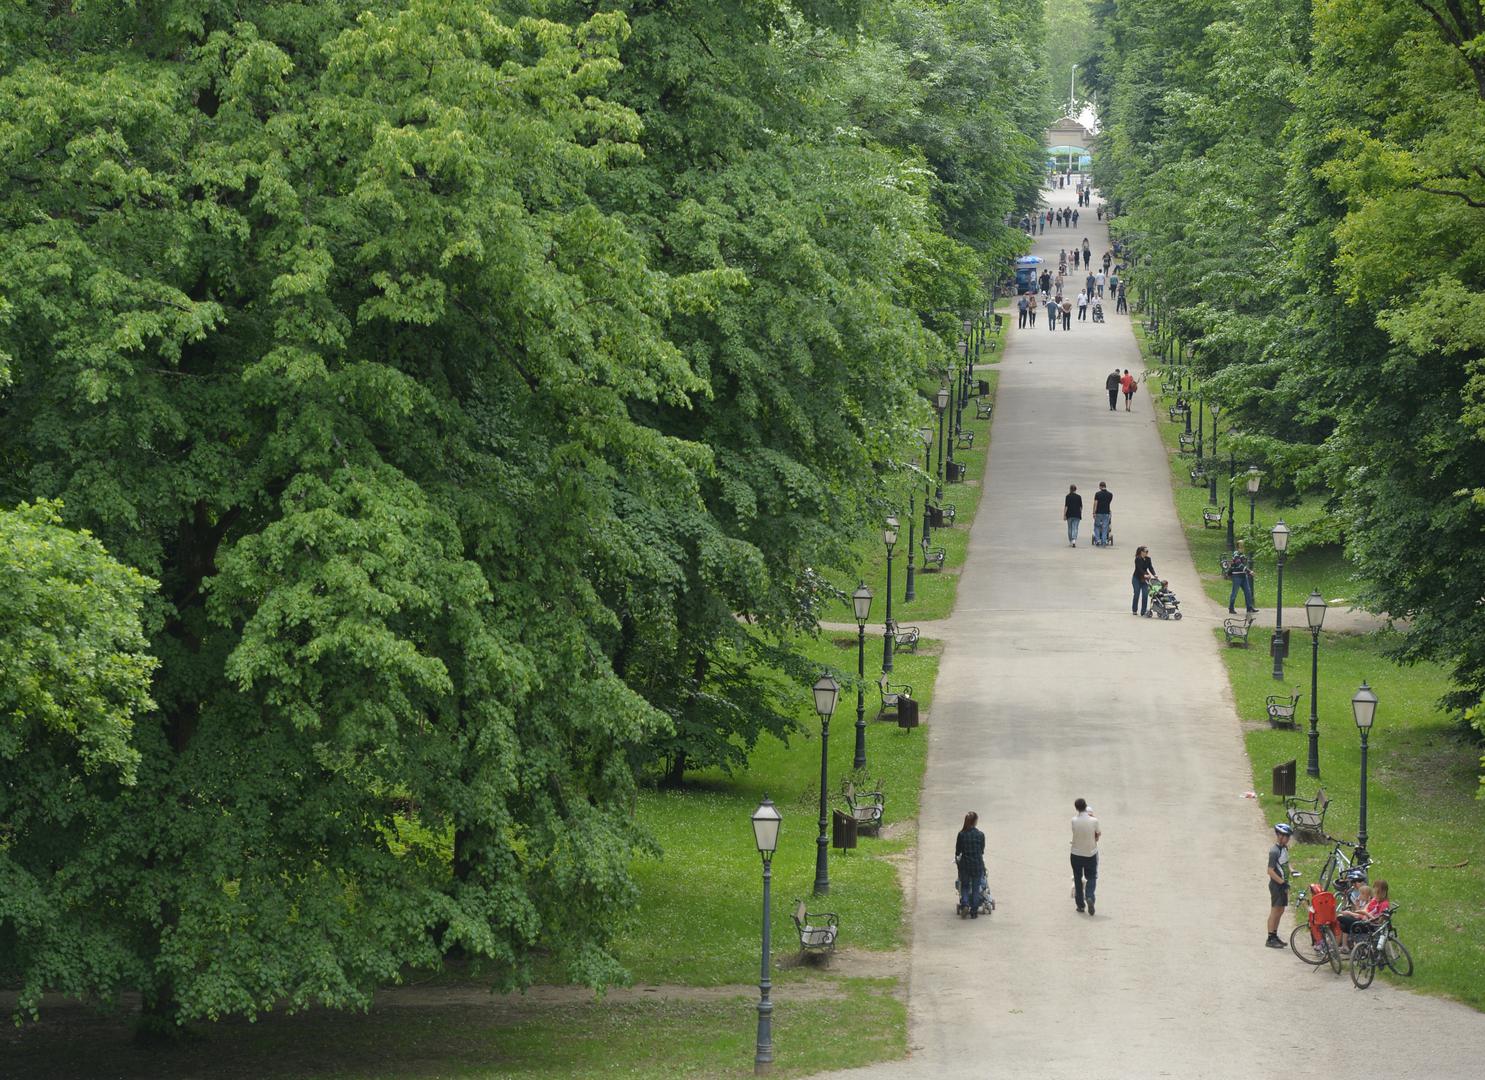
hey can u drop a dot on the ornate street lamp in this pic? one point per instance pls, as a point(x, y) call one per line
point(911, 592)
point(940, 402)
point(889, 537)
point(1280, 533)
point(861, 602)
point(827, 691)
point(1212, 476)
point(1364, 709)
point(1315, 608)
point(926, 435)
point(1254, 479)
point(766, 822)
point(1231, 495)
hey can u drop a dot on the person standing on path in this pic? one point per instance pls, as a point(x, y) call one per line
point(1129, 386)
point(969, 856)
point(1112, 384)
point(1122, 306)
point(1082, 307)
point(1086, 832)
point(1066, 314)
point(1278, 883)
point(1144, 570)
point(1021, 304)
point(1072, 513)
point(1052, 314)
point(1103, 502)
point(1242, 578)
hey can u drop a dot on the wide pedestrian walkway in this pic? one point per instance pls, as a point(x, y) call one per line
point(1050, 690)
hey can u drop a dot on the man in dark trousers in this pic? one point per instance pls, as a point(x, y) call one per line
point(1086, 832)
point(1103, 503)
point(1112, 385)
point(1072, 513)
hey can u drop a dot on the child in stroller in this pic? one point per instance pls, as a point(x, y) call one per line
point(1097, 310)
point(1164, 604)
point(987, 902)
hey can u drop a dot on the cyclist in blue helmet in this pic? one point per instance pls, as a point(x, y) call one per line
point(1278, 882)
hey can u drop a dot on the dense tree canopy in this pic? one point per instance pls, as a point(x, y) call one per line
point(1306, 182)
point(461, 372)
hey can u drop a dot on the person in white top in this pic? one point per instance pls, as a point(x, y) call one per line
point(1086, 832)
point(1082, 306)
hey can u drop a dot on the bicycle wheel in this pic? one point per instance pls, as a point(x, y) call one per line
point(1305, 946)
point(1363, 965)
point(1332, 948)
point(1396, 956)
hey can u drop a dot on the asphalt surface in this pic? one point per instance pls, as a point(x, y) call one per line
point(1049, 690)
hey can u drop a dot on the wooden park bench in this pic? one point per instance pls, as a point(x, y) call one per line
point(1281, 709)
point(933, 557)
point(1211, 517)
point(1225, 562)
point(1199, 474)
point(966, 440)
point(1177, 411)
point(905, 638)
point(817, 929)
point(1307, 815)
point(891, 695)
point(947, 512)
point(1237, 630)
point(983, 408)
point(1187, 441)
point(865, 806)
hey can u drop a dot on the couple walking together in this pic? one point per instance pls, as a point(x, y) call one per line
point(1072, 513)
point(969, 859)
point(1116, 384)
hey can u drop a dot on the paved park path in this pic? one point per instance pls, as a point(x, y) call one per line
point(1049, 690)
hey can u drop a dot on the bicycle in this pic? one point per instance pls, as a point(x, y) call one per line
point(1379, 946)
point(1339, 867)
point(1317, 940)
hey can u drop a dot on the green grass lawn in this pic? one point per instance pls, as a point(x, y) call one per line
point(859, 1022)
point(935, 591)
point(1423, 818)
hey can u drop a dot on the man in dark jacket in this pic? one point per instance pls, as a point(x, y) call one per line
point(1072, 513)
point(1111, 384)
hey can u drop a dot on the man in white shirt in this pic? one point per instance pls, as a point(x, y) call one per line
point(1085, 835)
point(1082, 306)
point(1098, 280)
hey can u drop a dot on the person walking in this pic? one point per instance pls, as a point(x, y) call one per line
point(1066, 314)
point(1278, 883)
point(1129, 386)
point(1072, 513)
point(1144, 570)
point(1089, 282)
point(1086, 832)
point(1052, 313)
point(1112, 383)
point(1021, 305)
point(1031, 306)
point(1098, 280)
point(1103, 513)
point(1082, 307)
point(1242, 578)
point(969, 857)
point(1122, 305)
point(1087, 253)
point(1044, 221)
point(1075, 214)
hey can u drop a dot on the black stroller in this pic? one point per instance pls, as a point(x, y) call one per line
point(987, 902)
point(1097, 310)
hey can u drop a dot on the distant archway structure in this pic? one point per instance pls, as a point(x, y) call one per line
point(1069, 146)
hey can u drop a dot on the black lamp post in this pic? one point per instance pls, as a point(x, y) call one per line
point(926, 434)
point(1254, 479)
point(1212, 476)
point(826, 690)
point(766, 822)
point(911, 592)
point(940, 402)
point(1201, 423)
point(889, 537)
point(1315, 615)
point(861, 602)
point(1364, 709)
point(1231, 495)
point(952, 382)
point(1280, 533)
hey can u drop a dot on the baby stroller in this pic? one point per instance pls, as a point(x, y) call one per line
point(1097, 310)
point(1164, 604)
point(987, 902)
point(1108, 540)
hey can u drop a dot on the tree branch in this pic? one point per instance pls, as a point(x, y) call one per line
point(1468, 200)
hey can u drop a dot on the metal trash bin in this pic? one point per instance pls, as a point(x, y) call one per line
point(935, 516)
point(984, 388)
point(1285, 776)
point(956, 472)
point(907, 712)
point(842, 830)
point(1278, 645)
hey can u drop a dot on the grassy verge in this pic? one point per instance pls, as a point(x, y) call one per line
point(935, 591)
point(660, 1039)
point(1322, 566)
point(1426, 829)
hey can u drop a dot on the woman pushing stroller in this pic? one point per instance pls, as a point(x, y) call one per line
point(969, 857)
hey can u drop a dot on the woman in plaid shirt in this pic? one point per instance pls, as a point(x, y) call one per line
point(969, 855)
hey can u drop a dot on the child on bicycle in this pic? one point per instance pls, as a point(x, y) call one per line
point(1362, 919)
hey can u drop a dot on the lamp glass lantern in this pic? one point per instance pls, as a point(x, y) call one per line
point(1280, 533)
point(1364, 707)
point(1254, 479)
point(963, 347)
point(889, 533)
point(941, 399)
point(766, 822)
point(827, 691)
point(861, 602)
point(1315, 608)
point(925, 436)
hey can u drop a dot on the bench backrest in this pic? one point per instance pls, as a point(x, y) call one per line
point(848, 789)
point(1322, 800)
point(799, 913)
point(882, 682)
